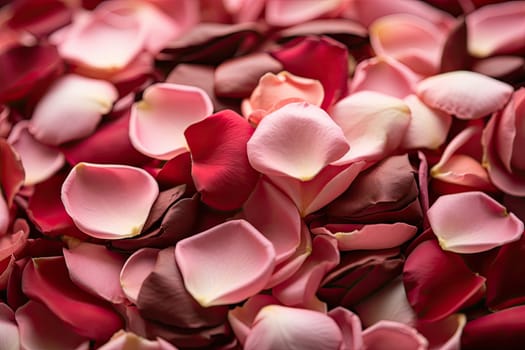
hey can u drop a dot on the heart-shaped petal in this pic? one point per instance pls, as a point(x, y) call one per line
point(246, 259)
point(493, 225)
point(109, 201)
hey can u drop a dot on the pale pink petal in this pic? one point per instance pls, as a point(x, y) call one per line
point(384, 334)
point(8, 329)
point(289, 12)
point(374, 125)
point(123, 340)
point(428, 127)
point(71, 109)
point(411, 40)
point(444, 334)
point(280, 327)
point(276, 217)
point(389, 303)
point(385, 75)
point(371, 236)
point(138, 266)
point(101, 41)
point(455, 144)
point(40, 161)
point(298, 141)
point(241, 318)
point(109, 201)
point(496, 29)
point(158, 122)
point(41, 329)
point(96, 269)
point(350, 326)
point(457, 232)
point(246, 259)
point(301, 288)
point(467, 95)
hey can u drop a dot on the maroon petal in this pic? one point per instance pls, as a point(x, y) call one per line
point(438, 283)
point(220, 167)
point(47, 280)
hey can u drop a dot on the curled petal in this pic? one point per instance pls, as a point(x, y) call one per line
point(280, 327)
point(158, 122)
point(76, 104)
point(465, 94)
point(136, 269)
point(278, 148)
point(444, 334)
point(373, 124)
point(496, 29)
point(39, 161)
point(384, 334)
point(458, 233)
point(11, 172)
point(247, 261)
point(350, 326)
point(109, 201)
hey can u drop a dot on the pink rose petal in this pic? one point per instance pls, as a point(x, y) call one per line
point(39, 161)
point(465, 94)
point(74, 102)
point(280, 327)
point(96, 269)
point(289, 12)
point(278, 148)
point(8, 329)
point(109, 201)
point(246, 259)
point(136, 269)
point(123, 340)
point(493, 225)
point(384, 334)
point(158, 122)
point(350, 326)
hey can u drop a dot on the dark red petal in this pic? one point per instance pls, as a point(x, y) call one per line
point(221, 170)
point(39, 17)
point(438, 283)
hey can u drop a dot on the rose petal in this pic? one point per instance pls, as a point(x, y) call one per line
point(458, 233)
point(247, 261)
point(384, 334)
point(220, 167)
point(8, 329)
point(350, 326)
point(11, 172)
point(136, 269)
point(277, 148)
point(158, 122)
point(109, 201)
point(444, 334)
point(465, 94)
point(280, 327)
point(75, 102)
point(285, 13)
point(126, 340)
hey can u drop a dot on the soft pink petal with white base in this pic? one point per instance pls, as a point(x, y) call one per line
point(246, 259)
point(428, 127)
point(467, 95)
point(96, 269)
point(300, 289)
point(289, 12)
point(158, 122)
point(126, 340)
point(138, 266)
point(41, 329)
point(384, 334)
point(409, 39)
point(39, 161)
point(444, 334)
point(101, 41)
point(374, 125)
point(493, 225)
point(350, 326)
point(71, 109)
point(109, 201)
point(496, 29)
point(280, 327)
point(241, 318)
point(276, 217)
point(372, 236)
point(8, 329)
point(385, 75)
point(298, 141)
point(389, 303)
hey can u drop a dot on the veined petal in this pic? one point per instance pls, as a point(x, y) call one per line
point(109, 201)
point(467, 95)
point(246, 259)
point(493, 225)
point(298, 141)
point(158, 122)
